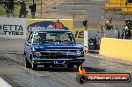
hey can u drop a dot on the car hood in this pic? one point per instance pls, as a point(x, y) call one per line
point(57, 46)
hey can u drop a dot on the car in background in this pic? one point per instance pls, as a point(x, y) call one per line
point(52, 48)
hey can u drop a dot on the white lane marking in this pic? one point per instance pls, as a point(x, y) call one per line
point(3, 83)
point(103, 57)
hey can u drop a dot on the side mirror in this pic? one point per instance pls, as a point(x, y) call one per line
point(29, 41)
point(27, 38)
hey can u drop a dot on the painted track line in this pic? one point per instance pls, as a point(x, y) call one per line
point(3, 83)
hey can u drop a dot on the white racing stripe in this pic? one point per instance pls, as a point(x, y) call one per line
point(3, 83)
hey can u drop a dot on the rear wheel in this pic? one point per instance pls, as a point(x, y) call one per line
point(27, 63)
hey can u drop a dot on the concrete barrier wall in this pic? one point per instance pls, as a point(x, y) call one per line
point(116, 48)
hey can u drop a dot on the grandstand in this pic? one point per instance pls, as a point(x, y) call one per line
point(121, 5)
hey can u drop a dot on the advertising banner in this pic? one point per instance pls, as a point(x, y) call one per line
point(78, 33)
point(12, 27)
point(41, 24)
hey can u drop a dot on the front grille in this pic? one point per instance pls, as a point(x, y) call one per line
point(59, 53)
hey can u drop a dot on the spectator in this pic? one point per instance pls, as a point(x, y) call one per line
point(9, 7)
point(126, 32)
point(95, 43)
point(32, 7)
point(128, 1)
point(129, 34)
point(108, 24)
point(122, 35)
point(128, 23)
point(58, 25)
point(118, 31)
point(23, 11)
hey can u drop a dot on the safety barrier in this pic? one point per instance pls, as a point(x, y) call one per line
point(116, 48)
point(119, 5)
point(115, 4)
point(126, 10)
point(117, 1)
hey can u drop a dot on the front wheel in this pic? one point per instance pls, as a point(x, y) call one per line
point(27, 63)
point(34, 66)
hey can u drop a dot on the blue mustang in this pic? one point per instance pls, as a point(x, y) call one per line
point(52, 48)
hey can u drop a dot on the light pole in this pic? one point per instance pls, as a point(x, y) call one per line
point(33, 1)
point(41, 7)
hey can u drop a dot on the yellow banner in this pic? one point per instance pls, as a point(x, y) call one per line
point(40, 24)
point(78, 33)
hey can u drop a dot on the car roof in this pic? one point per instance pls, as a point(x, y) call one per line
point(53, 30)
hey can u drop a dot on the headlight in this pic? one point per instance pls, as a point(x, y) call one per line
point(37, 54)
point(79, 53)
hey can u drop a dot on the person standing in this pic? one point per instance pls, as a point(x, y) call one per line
point(58, 25)
point(129, 34)
point(9, 7)
point(108, 24)
point(32, 7)
point(126, 32)
point(128, 1)
point(23, 11)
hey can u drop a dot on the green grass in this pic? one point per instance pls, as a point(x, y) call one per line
point(17, 7)
point(2, 10)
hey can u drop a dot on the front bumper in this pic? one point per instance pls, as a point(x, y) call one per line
point(42, 61)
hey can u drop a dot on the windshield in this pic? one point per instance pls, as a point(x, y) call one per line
point(53, 37)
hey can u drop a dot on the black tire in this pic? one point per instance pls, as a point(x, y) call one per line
point(27, 63)
point(81, 79)
point(34, 66)
point(70, 66)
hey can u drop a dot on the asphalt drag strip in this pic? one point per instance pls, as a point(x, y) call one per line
point(59, 76)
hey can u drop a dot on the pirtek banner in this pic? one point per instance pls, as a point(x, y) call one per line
point(40, 24)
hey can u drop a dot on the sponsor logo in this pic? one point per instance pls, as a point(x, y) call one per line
point(40, 26)
point(79, 34)
point(11, 29)
point(50, 25)
point(108, 77)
